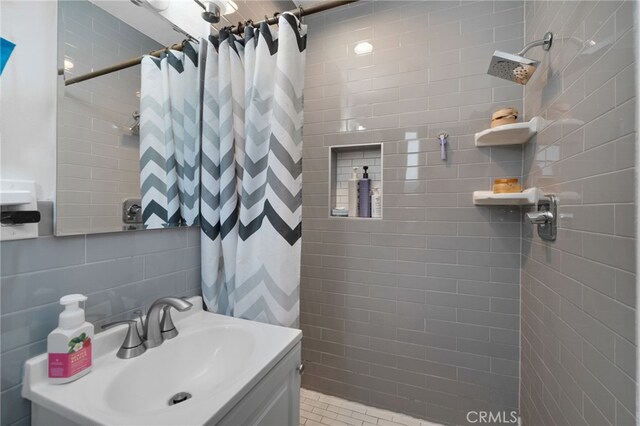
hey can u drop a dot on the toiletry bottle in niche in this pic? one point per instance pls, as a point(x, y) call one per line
point(376, 202)
point(352, 194)
point(364, 194)
point(70, 345)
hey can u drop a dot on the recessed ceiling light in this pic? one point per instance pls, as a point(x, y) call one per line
point(363, 48)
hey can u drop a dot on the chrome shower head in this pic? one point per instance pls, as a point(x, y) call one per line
point(211, 13)
point(512, 67)
point(515, 67)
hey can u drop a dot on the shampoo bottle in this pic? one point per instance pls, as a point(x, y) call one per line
point(376, 203)
point(353, 194)
point(69, 345)
point(364, 194)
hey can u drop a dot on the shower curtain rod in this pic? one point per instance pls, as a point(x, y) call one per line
point(178, 46)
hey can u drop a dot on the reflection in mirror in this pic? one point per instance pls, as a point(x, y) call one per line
point(98, 120)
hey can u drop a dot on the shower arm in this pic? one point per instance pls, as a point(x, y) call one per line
point(545, 43)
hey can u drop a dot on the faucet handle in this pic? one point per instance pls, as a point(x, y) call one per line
point(540, 217)
point(133, 345)
point(139, 313)
point(167, 328)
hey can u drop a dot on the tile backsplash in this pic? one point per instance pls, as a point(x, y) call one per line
point(118, 272)
point(578, 293)
point(418, 312)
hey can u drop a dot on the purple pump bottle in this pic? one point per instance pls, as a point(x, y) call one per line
point(364, 194)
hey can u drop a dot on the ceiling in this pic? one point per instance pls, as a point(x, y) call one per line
point(185, 14)
point(255, 10)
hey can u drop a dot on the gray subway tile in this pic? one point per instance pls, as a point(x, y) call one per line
point(29, 326)
point(39, 288)
point(451, 328)
point(462, 272)
point(12, 363)
point(610, 312)
point(597, 393)
point(428, 340)
point(458, 358)
point(22, 256)
point(505, 367)
point(14, 407)
point(426, 367)
point(588, 327)
point(595, 275)
point(593, 415)
point(113, 246)
point(617, 382)
point(490, 349)
point(625, 356)
point(457, 300)
point(489, 289)
point(491, 380)
point(624, 416)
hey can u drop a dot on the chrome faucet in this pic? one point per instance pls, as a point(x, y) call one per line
point(155, 330)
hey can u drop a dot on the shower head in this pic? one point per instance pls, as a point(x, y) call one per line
point(512, 67)
point(515, 67)
point(134, 128)
point(211, 13)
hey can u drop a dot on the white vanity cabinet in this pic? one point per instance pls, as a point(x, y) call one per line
point(233, 372)
point(274, 401)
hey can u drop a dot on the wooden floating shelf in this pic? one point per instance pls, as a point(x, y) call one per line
point(527, 197)
point(509, 134)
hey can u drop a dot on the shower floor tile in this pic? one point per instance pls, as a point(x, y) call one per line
point(317, 409)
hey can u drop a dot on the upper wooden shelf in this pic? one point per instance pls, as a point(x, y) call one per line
point(508, 134)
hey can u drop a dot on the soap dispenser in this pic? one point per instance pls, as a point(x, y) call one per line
point(364, 194)
point(69, 345)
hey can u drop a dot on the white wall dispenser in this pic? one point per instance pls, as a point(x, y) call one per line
point(20, 215)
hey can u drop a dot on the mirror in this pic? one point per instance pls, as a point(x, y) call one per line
point(98, 171)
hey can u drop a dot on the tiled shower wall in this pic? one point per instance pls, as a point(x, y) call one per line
point(118, 272)
point(98, 157)
point(419, 312)
point(579, 292)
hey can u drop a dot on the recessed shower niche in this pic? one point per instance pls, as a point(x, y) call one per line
point(352, 168)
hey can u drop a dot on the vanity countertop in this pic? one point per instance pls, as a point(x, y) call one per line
point(215, 358)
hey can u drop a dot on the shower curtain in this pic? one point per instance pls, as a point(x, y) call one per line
point(251, 196)
point(170, 138)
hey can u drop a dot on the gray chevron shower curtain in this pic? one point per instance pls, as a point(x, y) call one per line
point(251, 198)
point(170, 138)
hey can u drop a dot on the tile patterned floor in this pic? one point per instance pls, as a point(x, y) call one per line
point(317, 409)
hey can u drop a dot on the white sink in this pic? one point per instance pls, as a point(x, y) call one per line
point(216, 359)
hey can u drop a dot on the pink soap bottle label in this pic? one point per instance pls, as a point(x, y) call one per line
point(78, 358)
